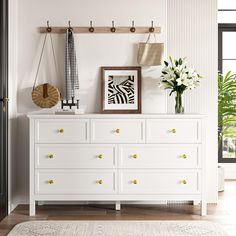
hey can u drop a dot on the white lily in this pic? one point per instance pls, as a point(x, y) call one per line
point(177, 76)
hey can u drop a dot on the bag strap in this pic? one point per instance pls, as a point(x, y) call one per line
point(149, 37)
point(41, 57)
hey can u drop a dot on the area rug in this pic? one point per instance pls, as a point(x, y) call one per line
point(117, 228)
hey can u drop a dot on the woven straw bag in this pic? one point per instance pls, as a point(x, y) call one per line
point(45, 95)
point(150, 54)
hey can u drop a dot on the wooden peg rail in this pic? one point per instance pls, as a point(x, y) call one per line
point(101, 30)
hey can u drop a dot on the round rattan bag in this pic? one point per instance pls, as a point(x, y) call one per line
point(45, 95)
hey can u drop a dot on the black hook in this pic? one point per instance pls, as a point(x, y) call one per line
point(152, 29)
point(49, 29)
point(91, 28)
point(132, 29)
point(113, 29)
point(70, 28)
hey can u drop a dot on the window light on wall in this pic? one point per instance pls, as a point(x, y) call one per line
point(226, 11)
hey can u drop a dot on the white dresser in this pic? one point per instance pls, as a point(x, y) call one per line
point(117, 158)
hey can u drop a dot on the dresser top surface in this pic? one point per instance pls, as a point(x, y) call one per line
point(48, 115)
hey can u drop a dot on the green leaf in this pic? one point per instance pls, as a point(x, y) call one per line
point(180, 61)
point(166, 63)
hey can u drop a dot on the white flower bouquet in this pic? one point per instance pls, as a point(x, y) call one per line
point(178, 77)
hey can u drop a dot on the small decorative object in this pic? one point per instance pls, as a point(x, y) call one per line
point(70, 104)
point(178, 77)
point(121, 89)
point(45, 95)
point(150, 54)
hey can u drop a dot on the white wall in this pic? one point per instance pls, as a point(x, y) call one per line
point(229, 170)
point(94, 51)
point(191, 32)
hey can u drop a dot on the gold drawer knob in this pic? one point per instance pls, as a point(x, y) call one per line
point(100, 181)
point(135, 156)
point(50, 156)
point(100, 156)
point(117, 131)
point(184, 156)
point(50, 181)
point(61, 131)
point(135, 181)
point(173, 131)
point(184, 181)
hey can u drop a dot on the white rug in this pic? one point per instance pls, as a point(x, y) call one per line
point(117, 228)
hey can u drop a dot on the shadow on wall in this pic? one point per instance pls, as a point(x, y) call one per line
point(12, 161)
point(25, 97)
point(23, 158)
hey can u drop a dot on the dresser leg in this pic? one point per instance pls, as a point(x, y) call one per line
point(196, 203)
point(118, 206)
point(32, 208)
point(203, 208)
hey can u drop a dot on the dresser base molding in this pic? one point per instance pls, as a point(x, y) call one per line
point(117, 204)
point(117, 159)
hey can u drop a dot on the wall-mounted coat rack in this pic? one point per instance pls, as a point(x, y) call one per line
point(102, 29)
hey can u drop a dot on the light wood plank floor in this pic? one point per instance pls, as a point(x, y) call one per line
point(224, 213)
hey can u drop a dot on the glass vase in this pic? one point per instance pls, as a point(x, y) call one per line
point(179, 108)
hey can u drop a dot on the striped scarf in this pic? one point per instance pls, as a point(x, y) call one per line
point(71, 67)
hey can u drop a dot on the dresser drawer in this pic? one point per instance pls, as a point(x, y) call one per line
point(75, 182)
point(117, 131)
point(159, 182)
point(160, 156)
point(61, 131)
point(75, 156)
point(173, 131)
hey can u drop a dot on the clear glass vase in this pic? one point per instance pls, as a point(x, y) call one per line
point(179, 108)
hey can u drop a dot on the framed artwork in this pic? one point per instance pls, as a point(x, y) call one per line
point(121, 89)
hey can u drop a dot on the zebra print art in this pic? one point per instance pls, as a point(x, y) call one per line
point(121, 89)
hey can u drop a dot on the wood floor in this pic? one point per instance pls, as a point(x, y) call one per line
point(224, 213)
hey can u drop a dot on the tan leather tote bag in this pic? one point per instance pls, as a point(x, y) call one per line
point(150, 54)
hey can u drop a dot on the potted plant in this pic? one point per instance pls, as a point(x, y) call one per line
point(178, 77)
point(226, 108)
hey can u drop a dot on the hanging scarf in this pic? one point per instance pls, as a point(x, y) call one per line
point(71, 68)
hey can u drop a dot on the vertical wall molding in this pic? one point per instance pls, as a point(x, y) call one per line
point(192, 33)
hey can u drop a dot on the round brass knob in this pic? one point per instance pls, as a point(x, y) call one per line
point(135, 156)
point(100, 156)
point(117, 131)
point(184, 156)
point(61, 131)
point(173, 131)
point(100, 181)
point(50, 156)
point(184, 181)
point(135, 181)
point(50, 181)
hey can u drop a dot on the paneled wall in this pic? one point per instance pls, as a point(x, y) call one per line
point(192, 33)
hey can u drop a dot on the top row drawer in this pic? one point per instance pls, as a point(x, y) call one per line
point(117, 131)
point(62, 131)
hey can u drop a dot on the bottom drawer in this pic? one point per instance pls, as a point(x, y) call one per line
point(75, 182)
point(160, 182)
